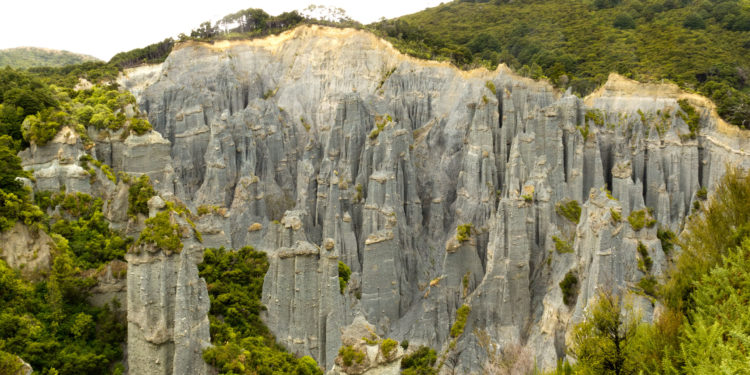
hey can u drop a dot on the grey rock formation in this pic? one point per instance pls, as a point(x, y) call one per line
point(27, 249)
point(167, 308)
point(324, 145)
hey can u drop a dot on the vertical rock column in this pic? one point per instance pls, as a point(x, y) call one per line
point(168, 304)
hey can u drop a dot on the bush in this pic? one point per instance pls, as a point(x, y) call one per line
point(648, 285)
point(570, 210)
point(639, 219)
point(624, 21)
point(694, 21)
point(405, 344)
point(645, 258)
point(161, 232)
point(463, 232)
point(667, 239)
point(138, 195)
point(344, 274)
point(387, 347)
point(349, 355)
point(420, 362)
point(462, 314)
point(569, 287)
point(562, 246)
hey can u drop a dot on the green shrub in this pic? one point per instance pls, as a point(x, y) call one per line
point(702, 193)
point(641, 218)
point(462, 314)
point(161, 232)
point(344, 274)
point(569, 209)
point(569, 287)
point(667, 239)
point(648, 285)
point(616, 215)
point(420, 362)
point(562, 246)
point(138, 195)
point(349, 355)
point(690, 115)
point(405, 344)
point(491, 86)
point(463, 232)
point(624, 21)
point(596, 116)
point(643, 251)
point(388, 347)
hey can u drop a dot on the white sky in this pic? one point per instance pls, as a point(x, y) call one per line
point(102, 28)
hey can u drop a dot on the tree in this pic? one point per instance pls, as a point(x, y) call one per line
point(624, 21)
point(719, 334)
point(694, 21)
point(602, 342)
point(10, 168)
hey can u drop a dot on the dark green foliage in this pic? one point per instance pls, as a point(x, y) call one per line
point(645, 258)
point(648, 285)
point(562, 246)
point(690, 115)
point(14, 208)
point(243, 344)
point(82, 223)
point(603, 343)
point(420, 362)
point(700, 45)
point(162, 232)
point(569, 209)
point(722, 226)
point(702, 193)
point(463, 232)
point(569, 287)
point(10, 167)
point(640, 218)
point(28, 57)
point(344, 274)
point(50, 325)
point(623, 21)
point(350, 355)
point(405, 344)
point(388, 347)
point(694, 21)
point(667, 238)
point(462, 314)
point(138, 195)
point(151, 54)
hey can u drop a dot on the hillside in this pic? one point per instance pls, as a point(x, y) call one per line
point(31, 57)
point(700, 45)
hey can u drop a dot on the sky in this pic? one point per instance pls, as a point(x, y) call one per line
point(102, 28)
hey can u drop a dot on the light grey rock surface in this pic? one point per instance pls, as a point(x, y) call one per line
point(324, 145)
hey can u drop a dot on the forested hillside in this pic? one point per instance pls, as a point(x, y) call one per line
point(701, 45)
point(30, 57)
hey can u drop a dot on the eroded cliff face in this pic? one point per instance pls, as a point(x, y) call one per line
point(323, 145)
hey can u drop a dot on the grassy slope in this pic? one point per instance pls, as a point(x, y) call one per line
point(29, 57)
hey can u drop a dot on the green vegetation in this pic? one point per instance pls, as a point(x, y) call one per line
point(667, 238)
point(388, 347)
point(379, 126)
point(50, 324)
point(349, 355)
point(243, 345)
point(138, 195)
point(704, 327)
point(162, 232)
point(645, 260)
point(702, 193)
point(604, 342)
point(463, 232)
point(420, 362)
point(691, 117)
point(569, 287)
point(616, 215)
point(462, 314)
point(344, 273)
point(641, 218)
point(562, 246)
point(569, 209)
point(405, 344)
point(82, 223)
point(30, 57)
point(151, 54)
point(700, 45)
point(528, 198)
